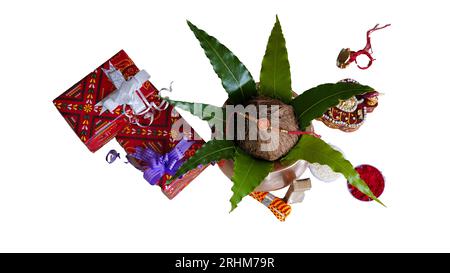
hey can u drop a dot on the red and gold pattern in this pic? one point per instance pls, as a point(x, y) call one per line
point(179, 184)
point(162, 137)
point(77, 105)
point(350, 114)
point(277, 206)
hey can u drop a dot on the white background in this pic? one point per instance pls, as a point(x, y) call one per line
point(57, 196)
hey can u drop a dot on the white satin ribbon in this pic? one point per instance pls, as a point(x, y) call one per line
point(127, 92)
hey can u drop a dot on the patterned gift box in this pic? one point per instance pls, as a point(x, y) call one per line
point(78, 104)
point(165, 132)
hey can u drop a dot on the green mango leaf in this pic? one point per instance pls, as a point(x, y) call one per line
point(275, 78)
point(213, 150)
point(204, 111)
point(214, 115)
point(314, 150)
point(236, 79)
point(312, 103)
point(248, 174)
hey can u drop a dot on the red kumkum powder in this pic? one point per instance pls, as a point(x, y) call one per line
point(373, 178)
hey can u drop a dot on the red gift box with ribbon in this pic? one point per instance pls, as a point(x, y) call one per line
point(94, 106)
point(117, 100)
point(160, 148)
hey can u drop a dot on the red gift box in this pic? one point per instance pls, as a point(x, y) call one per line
point(162, 135)
point(78, 104)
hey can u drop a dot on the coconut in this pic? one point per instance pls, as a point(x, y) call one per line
point(273, 141)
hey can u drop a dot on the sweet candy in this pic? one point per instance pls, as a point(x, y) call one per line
point(296, 191)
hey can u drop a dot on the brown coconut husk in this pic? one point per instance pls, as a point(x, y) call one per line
point(287, 122)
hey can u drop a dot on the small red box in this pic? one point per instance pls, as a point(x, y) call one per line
point(78, 104)
point(162, 136)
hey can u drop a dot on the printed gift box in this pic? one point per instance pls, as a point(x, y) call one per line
point(93, 106)
point(160, 148)
point(117, 100)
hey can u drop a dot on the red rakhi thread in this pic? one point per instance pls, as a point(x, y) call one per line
point(304, 133)
point(264, 124)
point(347, 56)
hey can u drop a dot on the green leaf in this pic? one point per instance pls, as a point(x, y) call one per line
point(236, 79)
point(314, 150)
point(214, 115)
point(213, 150)
point(314, 102)
point(248, 174)
point(275, 78)
point(204, 111)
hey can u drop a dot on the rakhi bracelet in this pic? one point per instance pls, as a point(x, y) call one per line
point(347, 56)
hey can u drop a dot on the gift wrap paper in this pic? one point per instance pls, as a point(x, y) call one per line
point(162, 136)
point(78, 104)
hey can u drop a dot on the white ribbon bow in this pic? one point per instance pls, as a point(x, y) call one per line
point(127, 92)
